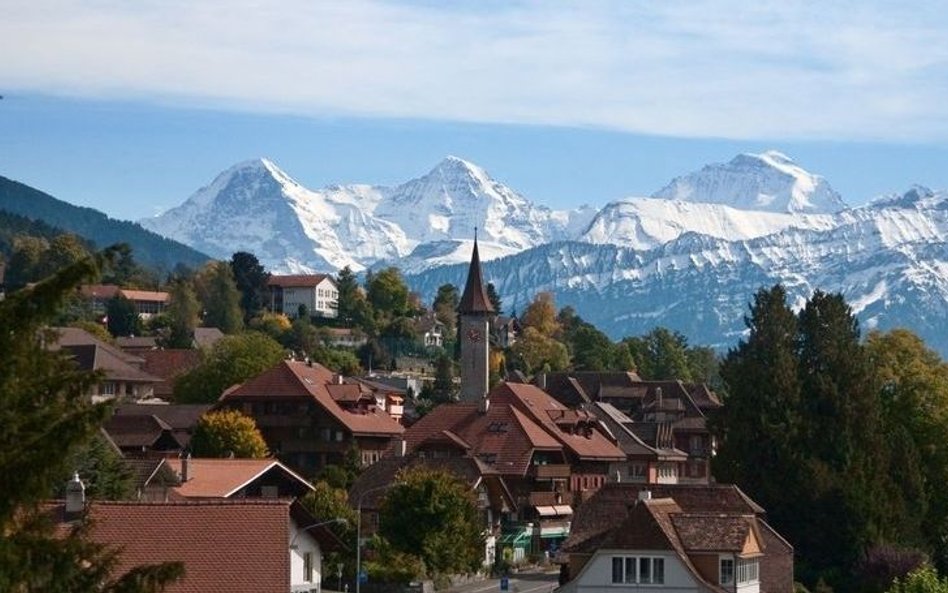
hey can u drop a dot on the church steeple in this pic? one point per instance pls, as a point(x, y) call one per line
point(474, 300)
point(475, 312)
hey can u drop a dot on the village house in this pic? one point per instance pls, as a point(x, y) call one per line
point(123, 376)
point(239, 546)
point(311, 417)
point(669, 417)
point(147, 302)
point(316, 292)
point(674, 537)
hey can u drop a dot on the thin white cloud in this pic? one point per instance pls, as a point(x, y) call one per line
point(842, 70)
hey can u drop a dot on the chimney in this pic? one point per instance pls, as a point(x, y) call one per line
point(484, 405)
point(645, 495)
point(541, 381)
point(186, 468)
point(340, 379)
point(75, 495)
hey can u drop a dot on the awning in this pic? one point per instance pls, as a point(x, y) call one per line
point(563, 509)
point(546, 511)
point(514, 538)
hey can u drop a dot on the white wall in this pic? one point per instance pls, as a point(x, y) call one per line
point(293, 297)
point(596, 576)
point(301, 543)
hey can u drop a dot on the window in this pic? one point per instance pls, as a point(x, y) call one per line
point(637, 470)
point(108, 388)
point(646, 570)
point(747, 571)
point(727, 571)
point(308, 567)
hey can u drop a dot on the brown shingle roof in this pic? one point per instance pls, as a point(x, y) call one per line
point(238, 546)
point(297, 280)
point(137, 431)
point(701, 532)
point(293, 380)
point(474, 299)
point(611, 502)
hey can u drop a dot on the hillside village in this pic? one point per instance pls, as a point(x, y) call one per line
point(282, 428)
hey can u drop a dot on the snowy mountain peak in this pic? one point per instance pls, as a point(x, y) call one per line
point(770, 182)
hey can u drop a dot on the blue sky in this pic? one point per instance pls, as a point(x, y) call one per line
point(130, 107)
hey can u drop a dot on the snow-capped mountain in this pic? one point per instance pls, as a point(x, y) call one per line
point(255, 206)
point(689, 257)
point(769, 182)
point(888, 259)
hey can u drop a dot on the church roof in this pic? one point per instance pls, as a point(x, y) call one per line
point(474, 299)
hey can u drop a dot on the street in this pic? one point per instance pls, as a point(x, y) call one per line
point(522, 582)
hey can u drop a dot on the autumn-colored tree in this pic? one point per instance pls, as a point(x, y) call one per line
point(536, 352)
point(541, 315)
point(228, 433)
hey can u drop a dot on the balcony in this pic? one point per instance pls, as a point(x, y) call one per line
point(550, 472)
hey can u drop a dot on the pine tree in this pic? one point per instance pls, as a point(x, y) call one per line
point(222, 307)
point(46, 419)
point(251, 279)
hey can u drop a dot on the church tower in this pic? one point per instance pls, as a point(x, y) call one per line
point(475, 311)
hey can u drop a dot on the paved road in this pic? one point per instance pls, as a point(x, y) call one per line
point(521, 582)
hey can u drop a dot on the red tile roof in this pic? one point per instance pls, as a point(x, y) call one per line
point(503, 435)
point(238, 546)
point(148, 296)
point(298, 380)
point(298, 280)
point(222, 478)
point(540, 407)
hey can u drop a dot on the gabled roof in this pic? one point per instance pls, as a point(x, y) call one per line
point(503, 435)
point(138, 431)
point(147, 472)
point(239, 546)
point(74, 336)
point(205, 337)
point(619, 424)
point(167, 365)
point(612, 501)
point(223, 478)
point(93, 357)
point(541, 408)
point(298, 280)
point(474, 299)
point(297, 380)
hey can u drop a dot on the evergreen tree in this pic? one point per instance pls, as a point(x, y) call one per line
point(251, 280)
point(350, 296)
point(123, 319)
point(46, 419)
point(183, 313)
point(494, 298)
point(445, 307)
point(443, 389)
point(222, 307)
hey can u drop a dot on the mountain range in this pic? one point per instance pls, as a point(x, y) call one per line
point(148, 248)
point(689, 256)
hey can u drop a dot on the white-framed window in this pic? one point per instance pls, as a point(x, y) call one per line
point(642, 570)
point(748, 571)
point(308, 567)
point(726, 572)
point(108, 388)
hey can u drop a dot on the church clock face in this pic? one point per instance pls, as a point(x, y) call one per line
point(474, 335)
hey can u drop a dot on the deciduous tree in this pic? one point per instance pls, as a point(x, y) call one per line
point(433, 514)
point(228, 433)
point(251, 279)
point(232, 360)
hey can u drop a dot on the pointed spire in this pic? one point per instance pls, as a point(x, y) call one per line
point(474, 299)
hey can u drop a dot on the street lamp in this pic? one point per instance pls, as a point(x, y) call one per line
point(341, 520)
point(359, 533)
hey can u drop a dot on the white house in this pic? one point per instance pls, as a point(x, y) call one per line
point(659, 547)
point(316, 292)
